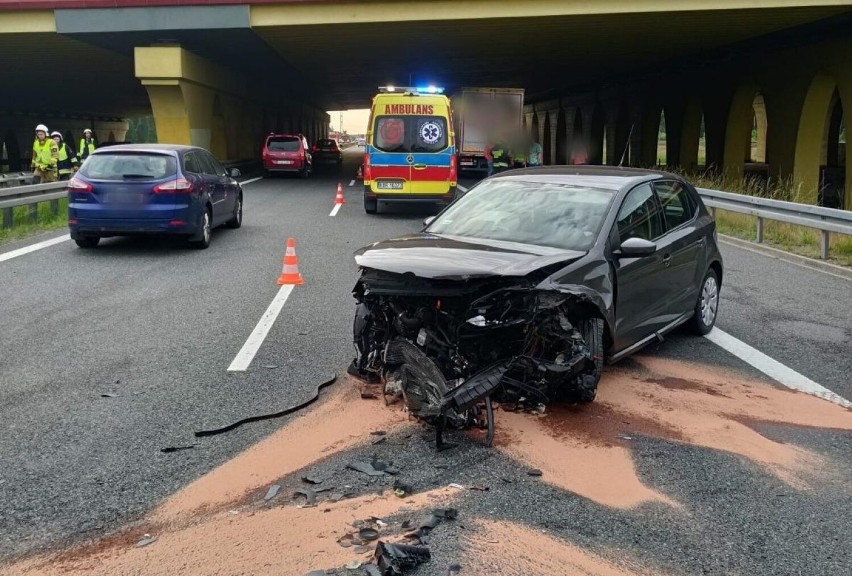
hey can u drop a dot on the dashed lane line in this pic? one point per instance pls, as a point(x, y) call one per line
point(772, 368)
point(462, 188)
point(335, 210)
point(252, 180)
point(34, 247)
point(255, 340)
point(352, 182)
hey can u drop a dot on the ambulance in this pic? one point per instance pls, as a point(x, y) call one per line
point(410, 154)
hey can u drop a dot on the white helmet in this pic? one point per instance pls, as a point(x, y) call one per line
point(55, 133)
point(41, 128)
point(87, 130)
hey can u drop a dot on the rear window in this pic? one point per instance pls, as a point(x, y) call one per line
point(326, 143)
point(123, 166)
point(283, 144)
point(410, 133)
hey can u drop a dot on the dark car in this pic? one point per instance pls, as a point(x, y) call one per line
point(137, 189)
point(525, 285)
point(287, 153)
point(327, 151)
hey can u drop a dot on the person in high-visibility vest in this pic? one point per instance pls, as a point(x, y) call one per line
point(87, 144)
point(45, 156)
point(67, 162)
point(502, 157)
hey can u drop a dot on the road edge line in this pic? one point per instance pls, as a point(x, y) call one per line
point(801, 261)
point(772, 368)
point(251, 180)
point(255, 340)
point(33, 247)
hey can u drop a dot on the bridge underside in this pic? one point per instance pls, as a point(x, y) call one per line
point(598, 75)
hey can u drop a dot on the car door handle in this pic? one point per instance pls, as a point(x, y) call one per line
point(419, 166)
point(667, 259)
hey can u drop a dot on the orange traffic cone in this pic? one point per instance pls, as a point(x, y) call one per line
point(339, 198)
point(290, 271)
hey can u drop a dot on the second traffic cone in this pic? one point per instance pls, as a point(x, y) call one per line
point(339, 198)
point(290, 270)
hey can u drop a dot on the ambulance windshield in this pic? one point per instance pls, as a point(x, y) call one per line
point(409, 134)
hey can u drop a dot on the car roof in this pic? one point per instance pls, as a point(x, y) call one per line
point(611, 177)
point(297, 136)
point(146, 148)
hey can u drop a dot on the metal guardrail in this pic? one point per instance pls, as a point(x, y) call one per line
point(826, 220)
point(15, 179)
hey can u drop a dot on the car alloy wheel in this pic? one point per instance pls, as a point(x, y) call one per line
point(709, 300)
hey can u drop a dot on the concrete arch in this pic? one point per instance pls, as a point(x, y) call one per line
point(218, 141)
point(546, 140)
point(596, 136)
point(814, 123)
point(561, 138)
point(738, 130)
point(691, 135)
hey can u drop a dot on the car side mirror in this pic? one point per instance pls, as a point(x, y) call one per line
point(428, 220)
point(636, 247)
point(235, 173)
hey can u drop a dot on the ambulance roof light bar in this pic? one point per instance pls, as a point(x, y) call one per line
point(431, 89)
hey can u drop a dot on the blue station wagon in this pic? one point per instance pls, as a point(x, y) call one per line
point(130, 190)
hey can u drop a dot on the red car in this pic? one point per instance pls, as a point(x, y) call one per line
point(287, 153)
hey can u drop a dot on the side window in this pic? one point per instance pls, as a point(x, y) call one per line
point(639, 216)
point(678, 207)
point(204, 163)
point(216, 169)
point(190, 163)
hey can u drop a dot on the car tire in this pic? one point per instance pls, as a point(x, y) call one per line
point(202, 241)
point(303, 173)
point(87, 241)
point(237, 220)
point(371, 205)
point(707, 307)
point(592, 330)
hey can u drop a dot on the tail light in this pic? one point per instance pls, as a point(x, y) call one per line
point(315, 148)
point(79, 185)
point(176, 186)
point(454, 168)
point(368, 173)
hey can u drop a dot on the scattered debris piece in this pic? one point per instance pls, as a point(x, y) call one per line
point(453, 569)
point(379, 440)
point(625, 437)
point(393, 558)
point(361, 549)
point(406, 525)
point(480, 487)
point(270, 366)
point(310, 497)
point(345, 541)
point(316, 573)
point(273, 490)
point(312, 479)
point(378, 464)
point(286, 411)
point(353, 565)
point(365, 468)
point(368, 534)
point(170, 449)
point(456, 486)
point(378, 433)
point(367, 395)
point(534, 472)
point(379, 521)
point(146, 539)
point(401, 489)
point(108, 395)
point(392, 470)
point(372, 570)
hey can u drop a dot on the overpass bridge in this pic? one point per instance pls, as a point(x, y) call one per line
point(599, 75)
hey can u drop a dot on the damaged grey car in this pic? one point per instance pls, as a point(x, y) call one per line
point(525, 286)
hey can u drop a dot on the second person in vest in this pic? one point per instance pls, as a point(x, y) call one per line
point(67, 162)
point(87, 144)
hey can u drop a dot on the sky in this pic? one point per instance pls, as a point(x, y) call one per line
point(354, 121)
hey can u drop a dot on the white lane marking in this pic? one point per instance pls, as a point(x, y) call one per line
point(460, 187)
point(772, 368)
point(352, 182)
point(246, 354)
point(335, 210)
point(252, 180)
point(33, 247)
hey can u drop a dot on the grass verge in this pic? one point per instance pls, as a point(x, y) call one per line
point(46, 221)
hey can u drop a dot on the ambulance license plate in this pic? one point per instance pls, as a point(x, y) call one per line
point(389, 185)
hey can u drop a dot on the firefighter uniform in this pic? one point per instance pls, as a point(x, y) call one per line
point(45, 160)
point(87, 145)
point(67, 160)
point(502, 157)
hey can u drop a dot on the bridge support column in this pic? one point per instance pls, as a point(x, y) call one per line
point(189, 98)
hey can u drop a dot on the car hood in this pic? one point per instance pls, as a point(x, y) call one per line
point(457, 258)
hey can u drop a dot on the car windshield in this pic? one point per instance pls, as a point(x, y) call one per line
point(326, 143)
point(556, 215)
point(129, 165)
point(410, 133)
point(283, 144)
